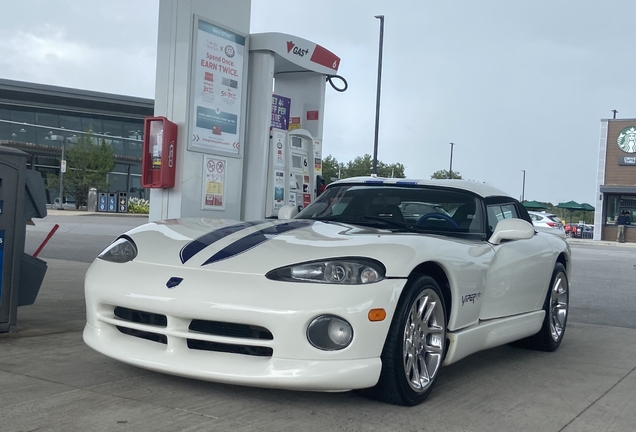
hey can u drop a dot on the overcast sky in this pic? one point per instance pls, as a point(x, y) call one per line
point(517, 85)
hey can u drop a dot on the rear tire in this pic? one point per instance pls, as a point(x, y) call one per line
point(415, 346)
point(556, 314)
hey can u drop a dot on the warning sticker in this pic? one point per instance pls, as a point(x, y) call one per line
point(213, 183)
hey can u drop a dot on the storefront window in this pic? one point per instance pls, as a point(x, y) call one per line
point(46, 119)
point(91, 124)
point(5, 128)
point(611, 209)
point(133, 129)
point(71, 123)
point(133, 149)
point(51, 127)
point(616, 204)
point(628, 203)
point(22, 132)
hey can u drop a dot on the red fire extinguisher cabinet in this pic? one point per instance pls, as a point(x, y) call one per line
point(159, 155)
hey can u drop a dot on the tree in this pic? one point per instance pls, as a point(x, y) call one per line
point(88, 164)
point(360, 166)
point(443, 174)
point(331, 169)
point(395, 170)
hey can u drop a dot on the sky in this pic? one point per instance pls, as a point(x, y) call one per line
point(515, 85)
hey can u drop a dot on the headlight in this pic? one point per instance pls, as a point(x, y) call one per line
point(345, 271)
point(120, 251)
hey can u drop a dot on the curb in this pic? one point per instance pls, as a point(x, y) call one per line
point(57, 212)
point(600, 243)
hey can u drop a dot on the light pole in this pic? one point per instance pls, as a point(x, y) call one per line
point(450, 171)
point(523, 188)
point(62, 140)
point(377, 97)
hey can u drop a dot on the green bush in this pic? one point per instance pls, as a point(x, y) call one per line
point(138, 205)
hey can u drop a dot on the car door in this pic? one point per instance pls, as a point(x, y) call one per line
point(520, 271)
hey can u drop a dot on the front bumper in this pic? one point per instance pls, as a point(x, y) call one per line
point(317, 375)
point(283, 308)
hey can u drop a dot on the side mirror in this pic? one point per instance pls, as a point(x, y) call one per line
point(512, 229)
point(287, 212)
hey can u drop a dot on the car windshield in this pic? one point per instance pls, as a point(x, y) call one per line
point(416, 209)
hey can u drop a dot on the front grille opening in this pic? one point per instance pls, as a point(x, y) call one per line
point(218, 328)
point(154, 337)
point(141, 317)
point(230, 348)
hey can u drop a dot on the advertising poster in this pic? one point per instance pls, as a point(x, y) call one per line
point(279, 189)
point(214, 183)
point(278, 141)
point(294, 123)
point(306, 184)
point(317, 157)
point(280, 112)
point(218, 87)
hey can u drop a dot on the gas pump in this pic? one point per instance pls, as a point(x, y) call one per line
point(291, 177)
point(216, 82)
point(287, 79)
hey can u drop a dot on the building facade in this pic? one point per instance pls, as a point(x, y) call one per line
point(39, 119)
point(616, 181)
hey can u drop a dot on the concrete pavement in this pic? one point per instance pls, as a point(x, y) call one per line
point(51, 381)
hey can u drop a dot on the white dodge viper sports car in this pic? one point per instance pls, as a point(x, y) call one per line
point(375, 285)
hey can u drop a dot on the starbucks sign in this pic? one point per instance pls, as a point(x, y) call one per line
point(627, 139)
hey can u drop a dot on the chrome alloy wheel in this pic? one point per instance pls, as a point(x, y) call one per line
point(423, 345)
point(558, 306)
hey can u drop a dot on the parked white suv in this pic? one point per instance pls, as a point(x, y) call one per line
point(547, 222)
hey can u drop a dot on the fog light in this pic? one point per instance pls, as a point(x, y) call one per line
point(330, 333)
point(339, 332)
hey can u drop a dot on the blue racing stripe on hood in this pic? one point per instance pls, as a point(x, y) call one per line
point(200, 243)
point(256, 238)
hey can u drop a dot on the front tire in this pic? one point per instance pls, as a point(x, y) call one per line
point(415, 346)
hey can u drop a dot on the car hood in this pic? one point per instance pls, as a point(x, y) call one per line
point(259, 247)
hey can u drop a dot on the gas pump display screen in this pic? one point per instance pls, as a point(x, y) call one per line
point(297, 161)
point(297, 142)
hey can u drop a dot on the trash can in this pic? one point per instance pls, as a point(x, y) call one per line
point(122, 204)
point(102, 202)
point(91, 201)
point(112, 203)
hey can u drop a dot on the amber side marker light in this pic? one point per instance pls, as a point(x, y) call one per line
point(377, 315)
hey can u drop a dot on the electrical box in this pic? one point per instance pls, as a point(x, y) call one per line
point(158, 161)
